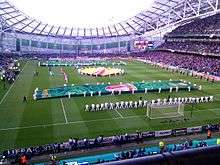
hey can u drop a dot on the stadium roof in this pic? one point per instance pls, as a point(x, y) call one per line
point(161, 13)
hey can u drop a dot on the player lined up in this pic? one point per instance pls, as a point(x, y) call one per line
point(143, 103)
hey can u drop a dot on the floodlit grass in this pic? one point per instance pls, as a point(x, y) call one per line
point(41, 122)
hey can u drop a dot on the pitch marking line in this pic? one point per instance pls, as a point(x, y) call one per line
point(88, 121)
point(71, 122)
point(119, 113)
point(64, 112)
point(6, 94)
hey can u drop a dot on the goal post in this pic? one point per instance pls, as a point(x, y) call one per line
point(161, 111)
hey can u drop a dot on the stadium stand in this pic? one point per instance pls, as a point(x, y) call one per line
point(200, 26)
point(74, 144)
point(196, 47)
point(208, 65)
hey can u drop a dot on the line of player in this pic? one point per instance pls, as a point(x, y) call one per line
point(144, 103)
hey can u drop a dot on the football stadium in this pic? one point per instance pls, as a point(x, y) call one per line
point(109, 82)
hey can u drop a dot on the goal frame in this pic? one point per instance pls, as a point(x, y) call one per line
point(179, 111)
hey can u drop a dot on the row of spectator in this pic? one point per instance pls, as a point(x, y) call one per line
point(203, 64)
point(208, 25)
point(190, 46)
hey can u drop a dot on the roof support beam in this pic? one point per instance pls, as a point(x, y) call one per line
point(158, 8)
point(43, 29)
point(84, 32)
point(140, 18)
point(64, 31)
point(19, 21)
point(124, 28)
point(50, 30)
point(116, 30)
point(211, 4)
point(109, 30)
point(146, 15)
point(160, 15)
point(77, 32)
point(130, 26)
point(90, 31)
point(146, 22)
point(36, 27)
point(176, 13)
point(216, 4)
point(26, 25)
point(58, 30)
point(6, 13)
point(173, 1)
point(3, 2)
point(103, 30)
point(137, 23)
point(186, 1)
point(9, 7)
point(184, 8)
point(97, 31)
point(71, 32)
point(199, 7)
point(163, 4)
point(13, 17)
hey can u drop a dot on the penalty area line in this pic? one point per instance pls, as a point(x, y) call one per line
point(64, 112)
point(119, 113)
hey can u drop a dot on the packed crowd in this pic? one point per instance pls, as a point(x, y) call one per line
point(162, 148)
point(71, 145)
point(208, 25)
point(6, 73)
point(203, 64)
point(196, 47)
point(141, 152)
point(80, 144)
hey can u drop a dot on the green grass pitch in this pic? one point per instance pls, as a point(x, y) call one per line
point(56, 120)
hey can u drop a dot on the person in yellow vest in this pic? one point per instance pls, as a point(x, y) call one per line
point(161, 146)
point(218, 141)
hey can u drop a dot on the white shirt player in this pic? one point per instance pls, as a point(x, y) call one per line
point(126, 104)
point(117, 105)
point(122, 104)
point(87, 108)
point(102, 106)
point(106, 106)
point(111, 106)
point(135, 104)
point(140, 102)
point(211, 98)
point(130, 104)
point(97, 107)
point(93, 107)
point(145, 103)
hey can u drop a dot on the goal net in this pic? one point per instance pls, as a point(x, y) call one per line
point(165, 111)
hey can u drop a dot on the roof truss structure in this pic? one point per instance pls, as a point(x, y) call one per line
point(162, 12)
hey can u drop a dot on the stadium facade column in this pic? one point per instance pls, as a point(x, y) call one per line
point(105, 46)
point(118, 40)
point(91, 45)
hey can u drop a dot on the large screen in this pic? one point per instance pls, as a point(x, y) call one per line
point(143, 44)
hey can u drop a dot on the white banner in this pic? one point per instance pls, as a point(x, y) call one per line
point(194, 129)
point(163, 133)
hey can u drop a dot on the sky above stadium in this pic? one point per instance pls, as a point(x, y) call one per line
point(82, 13)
